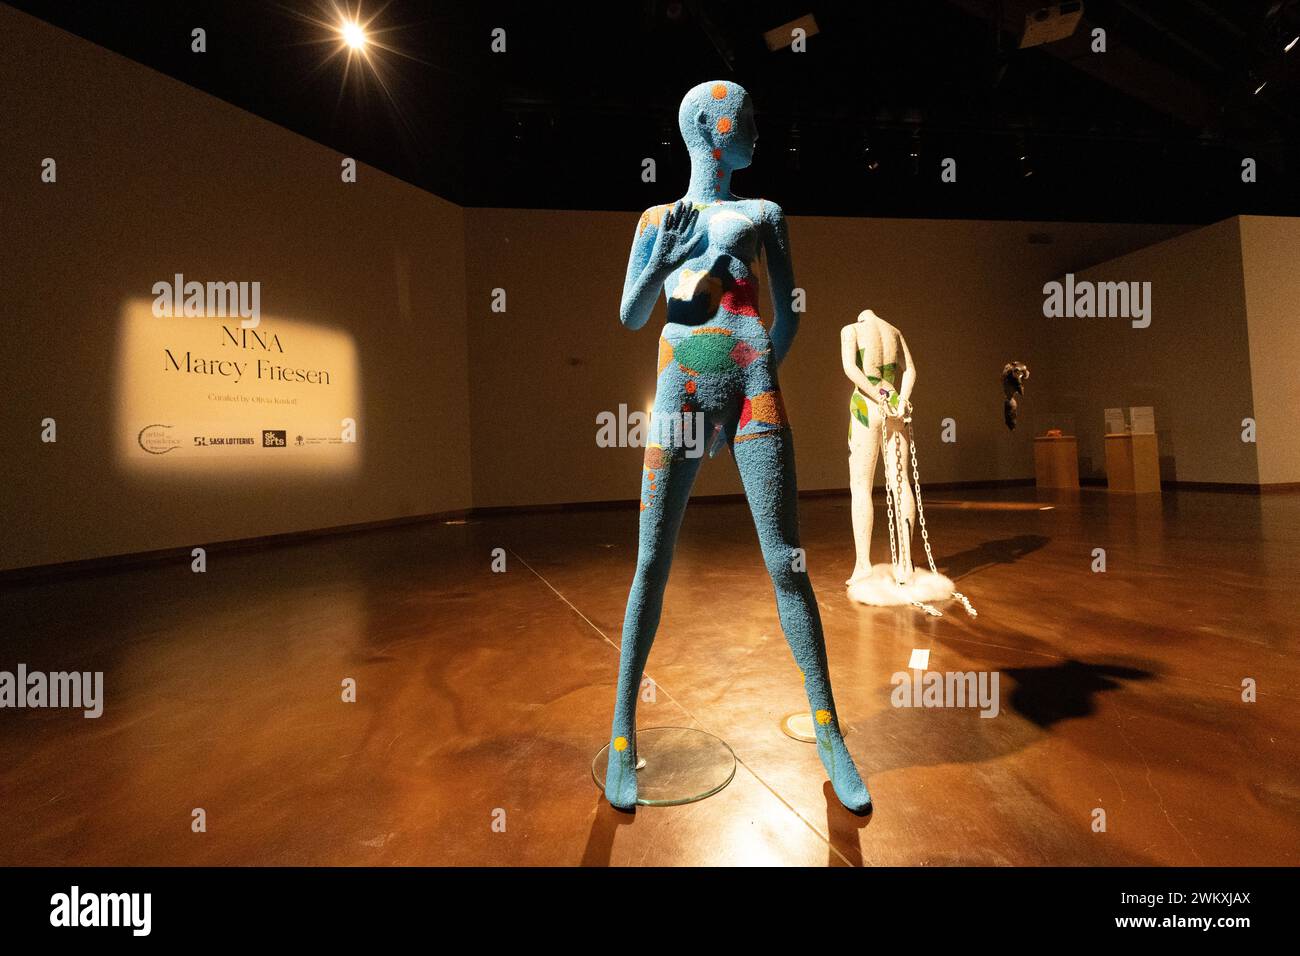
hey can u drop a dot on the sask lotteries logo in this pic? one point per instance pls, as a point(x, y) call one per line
point(157, 439)
point(274, 439)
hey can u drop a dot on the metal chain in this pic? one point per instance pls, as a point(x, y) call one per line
point(900, 484)
point(920, 515)
point(894, 509)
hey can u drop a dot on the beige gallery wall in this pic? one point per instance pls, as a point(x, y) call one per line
point(156, 178)
point(1271, 260)
point(460, 406)
point(1193, 363)
point(966, 295)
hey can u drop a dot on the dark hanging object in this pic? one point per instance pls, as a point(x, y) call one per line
point(1014, 375)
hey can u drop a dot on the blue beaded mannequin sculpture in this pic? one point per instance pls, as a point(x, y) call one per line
point(717, 369)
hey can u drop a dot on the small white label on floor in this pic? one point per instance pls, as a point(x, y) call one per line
point(920, 659)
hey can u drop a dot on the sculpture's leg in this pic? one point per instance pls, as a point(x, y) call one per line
point(864, 451)
point(666, 480)
point(766, 463)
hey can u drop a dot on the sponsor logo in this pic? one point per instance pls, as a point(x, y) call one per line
point(157, 439)
point(274, 439)
point(204, 441)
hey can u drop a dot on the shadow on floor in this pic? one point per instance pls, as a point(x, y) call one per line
point(999, 551)
point(1041, 696)
point(1046, 695)
point(843, 828)
point(604, 825)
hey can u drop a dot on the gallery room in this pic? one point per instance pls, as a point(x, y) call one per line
point(398, 429)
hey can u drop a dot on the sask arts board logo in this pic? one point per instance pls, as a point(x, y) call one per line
point(157, 439)
point(273, 439)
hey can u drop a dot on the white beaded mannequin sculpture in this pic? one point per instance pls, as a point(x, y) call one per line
point(876, 360)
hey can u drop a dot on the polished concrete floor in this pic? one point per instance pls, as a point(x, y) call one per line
point(481, 692)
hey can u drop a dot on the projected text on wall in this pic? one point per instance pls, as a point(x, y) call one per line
point(199, 394)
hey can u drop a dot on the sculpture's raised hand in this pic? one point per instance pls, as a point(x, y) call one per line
point(676, 236)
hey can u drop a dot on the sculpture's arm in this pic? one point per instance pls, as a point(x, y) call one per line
point(909, 378)
point(659, 246)
point(780, 271)
point(849, 361)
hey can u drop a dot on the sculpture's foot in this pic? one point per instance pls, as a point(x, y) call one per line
point(859, 574)
point(620, 775)
point(882, 588)
point(841, 770)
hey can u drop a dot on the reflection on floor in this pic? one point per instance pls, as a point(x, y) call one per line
point(481, 692)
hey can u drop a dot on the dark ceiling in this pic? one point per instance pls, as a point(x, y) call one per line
point(1154, 129)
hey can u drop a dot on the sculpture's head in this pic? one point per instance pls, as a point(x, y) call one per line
point(717, 118)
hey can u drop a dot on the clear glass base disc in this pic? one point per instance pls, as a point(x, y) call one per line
point(675, 765)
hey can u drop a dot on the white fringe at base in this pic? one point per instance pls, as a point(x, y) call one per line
point(881, 590)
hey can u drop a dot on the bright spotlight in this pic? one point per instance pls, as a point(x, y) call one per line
point(359, 42)
point(353, 34)
point(1291, 45)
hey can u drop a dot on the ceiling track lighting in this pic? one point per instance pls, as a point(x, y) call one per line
point(1022, 157)
point(869, 158)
